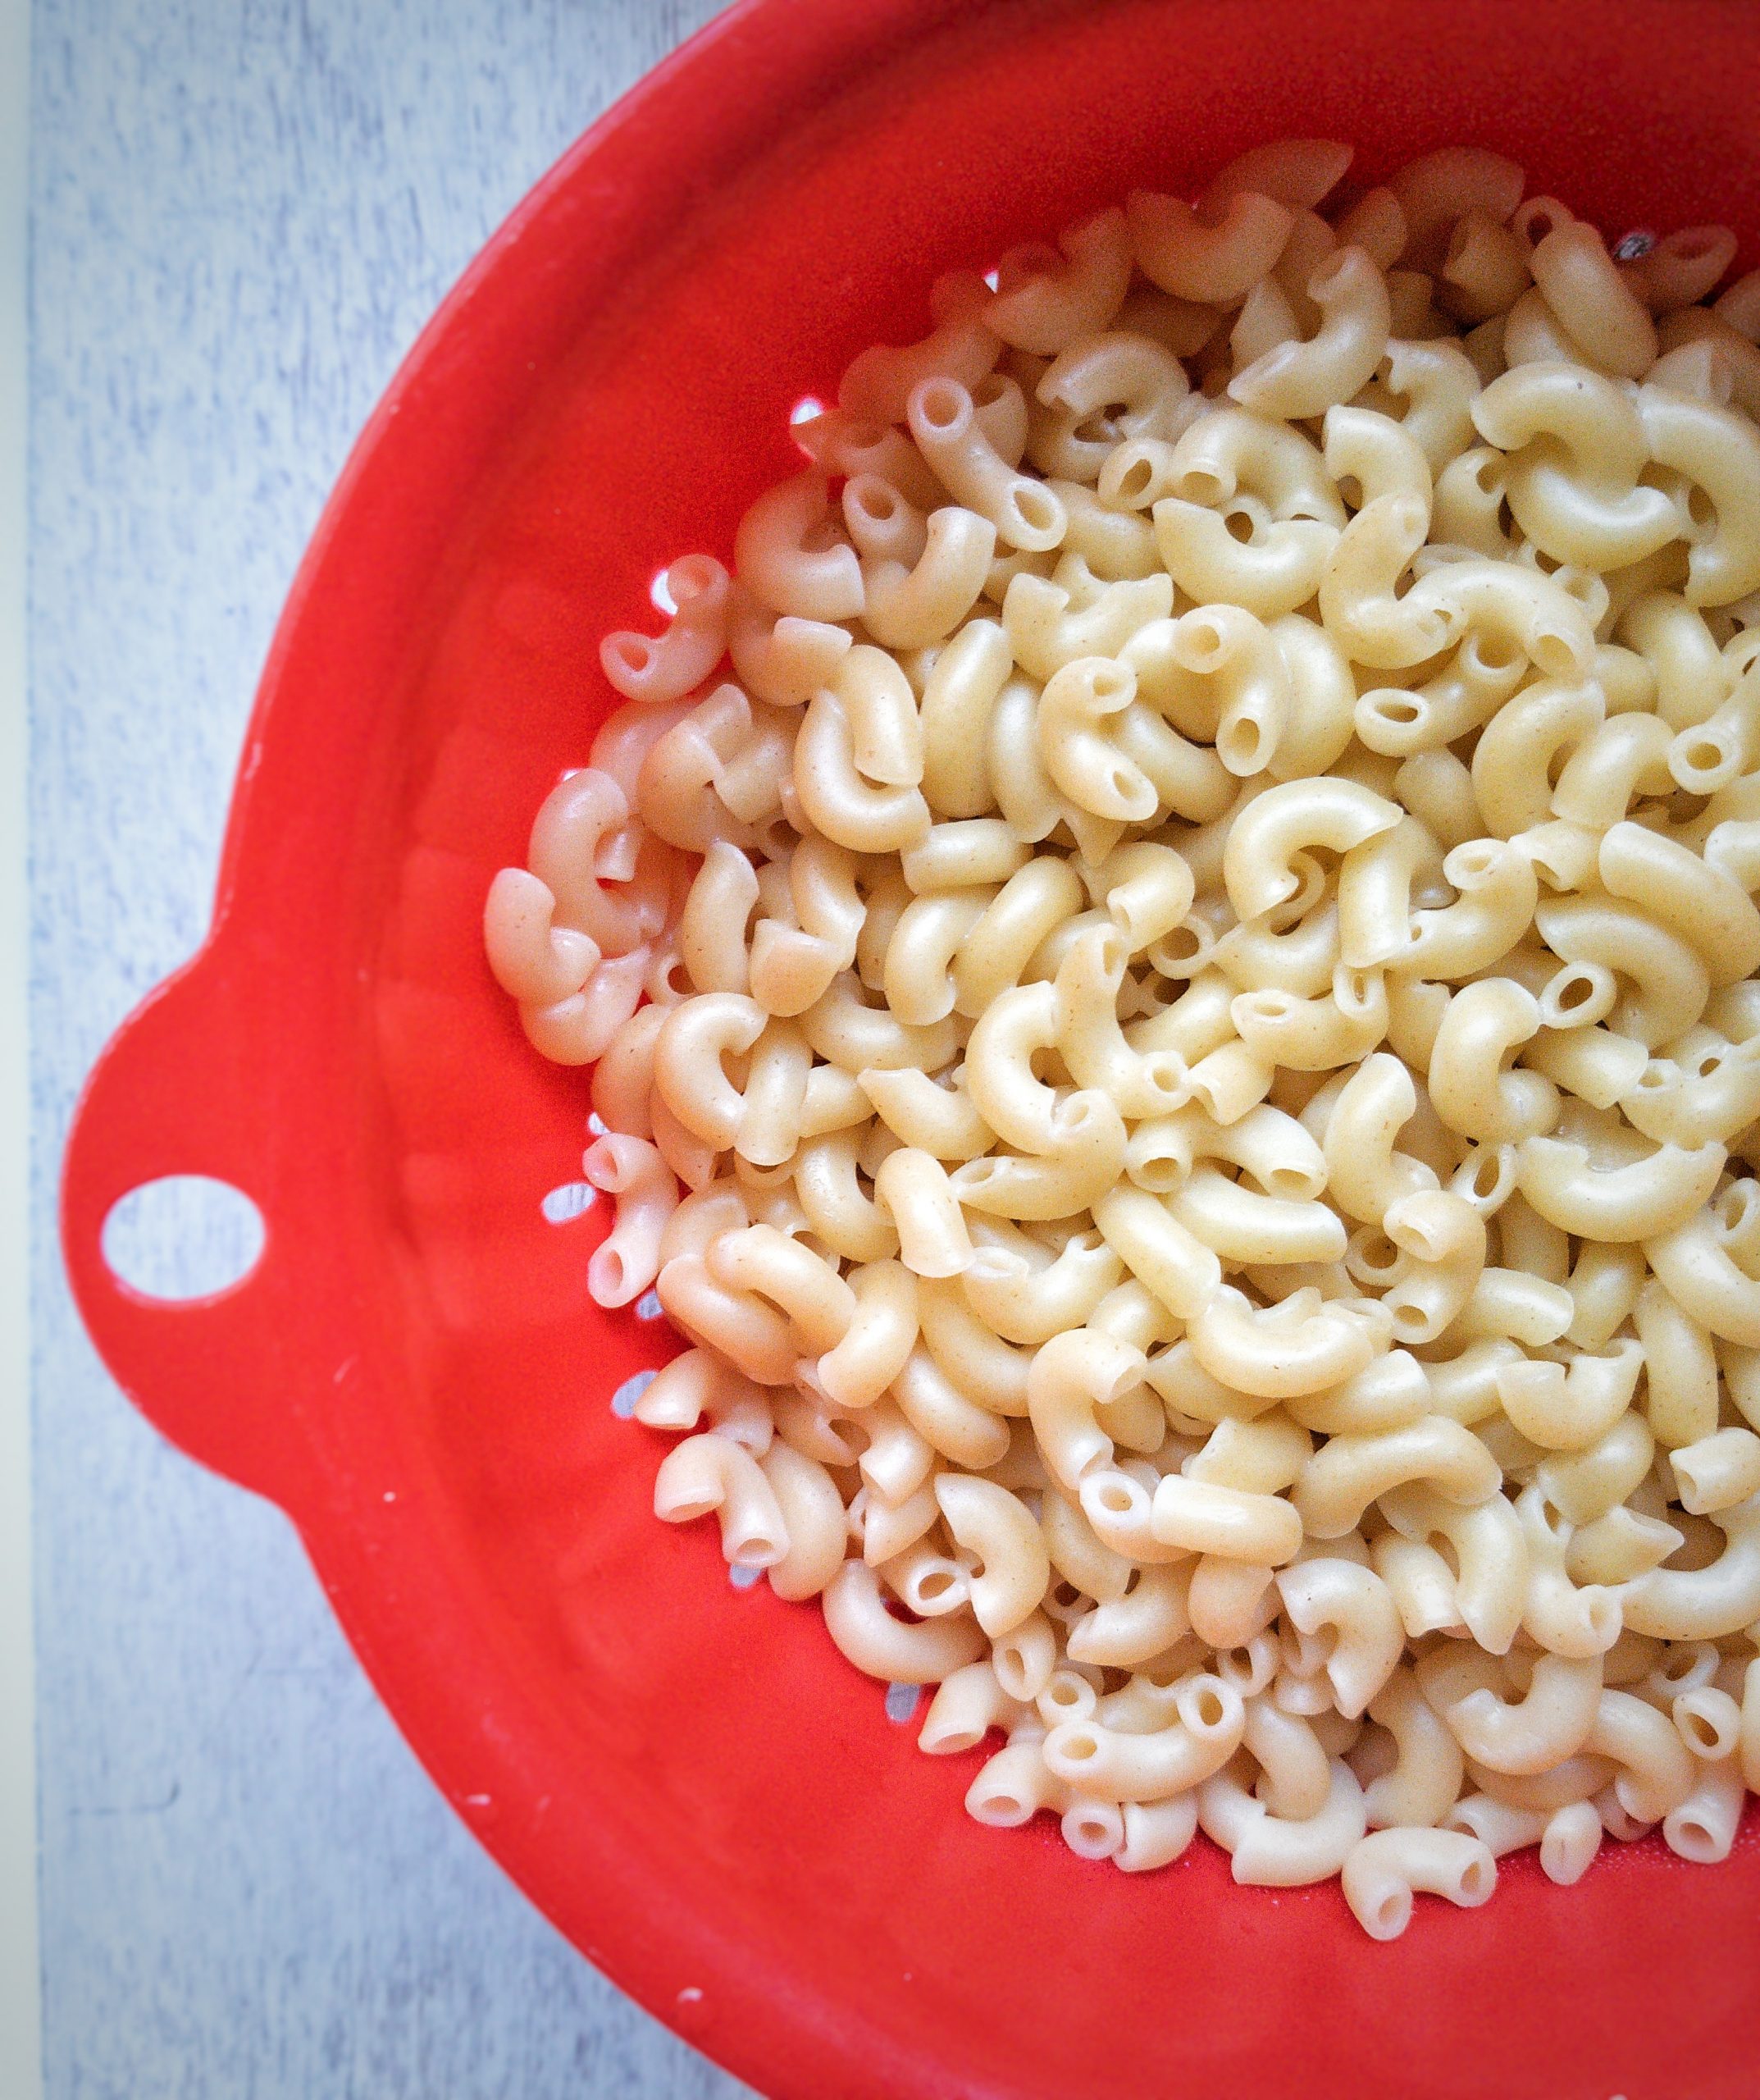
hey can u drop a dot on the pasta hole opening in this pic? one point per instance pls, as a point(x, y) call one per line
point(183, 1238)
point(1478, 1878)
point(691, 576)
point(1238, 524)
point(1080, 1748)
point(941, 404)
point(874, 501)
point(1693, 243)
point(1703, 755)
point(1400, 709)
point(1540, 216)
point(1702, 512)
point(1656, 1076)
point(1205, 1710)
point(634, 653)
point(1242, 742)
point(1706, 1738)
point(1690, 1838)
point(608, 1275)
point(1709, 1063)
point(1555, 654)
point(1392, 1914)
point(1036, 507)
point(1494, 655)
point(759, 1552)
point(1199, 484)
point(1134, 481)
point(989, 390)
point(823, 538)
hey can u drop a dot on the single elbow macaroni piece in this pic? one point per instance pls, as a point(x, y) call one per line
point(884, 1647)
point(945, 423)
point(1553, 1721)
point(1295, 380)
point(1233, 1523)
point(1654, 1770)
point(1055, 300)
point(1106, 1764)
point(712, 1473)
point(1283, 821)
point(1354, 1601)
point(1382, 1871)
point(1348, 1472)
point(1216, 260)
point(1423, 1785)
point(1569, 1408)
point(1639, 1201)
point(1704, 1604)
point(626, 1261)
point(657, 671)
point(1014, 1568)
point(1072, 1375)
point(1272, 1851)
point(1705, 907)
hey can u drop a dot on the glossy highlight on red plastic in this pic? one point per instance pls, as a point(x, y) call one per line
point(684, 1775)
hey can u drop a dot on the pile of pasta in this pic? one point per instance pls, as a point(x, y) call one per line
point(1178, 1034)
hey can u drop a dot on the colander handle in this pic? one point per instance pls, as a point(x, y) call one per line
point(178, 1091)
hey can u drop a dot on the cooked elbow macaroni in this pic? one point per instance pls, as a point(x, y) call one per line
point(1179, 1038)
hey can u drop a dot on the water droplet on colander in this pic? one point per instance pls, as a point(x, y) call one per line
point(595, 1125)
point(809, 406)
point(745, 1578)
point(648, 1306)
point(623, 1400)
point(660, 593)
point(572, 1199)
point(1630, 246)
point(901, 1702)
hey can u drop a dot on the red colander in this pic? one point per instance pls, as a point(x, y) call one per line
point(686, 1777)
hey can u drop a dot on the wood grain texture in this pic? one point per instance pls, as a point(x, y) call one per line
point(241, 216)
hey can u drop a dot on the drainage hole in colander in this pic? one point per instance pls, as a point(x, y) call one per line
point(901, 1702)
point(184, 1236)
point(623, 1400)
point(570, 1201)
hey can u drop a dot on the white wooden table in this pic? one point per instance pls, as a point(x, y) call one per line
point(242, 214)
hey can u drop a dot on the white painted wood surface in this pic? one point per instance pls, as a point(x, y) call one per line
point(242, 215)
point(21, 2061)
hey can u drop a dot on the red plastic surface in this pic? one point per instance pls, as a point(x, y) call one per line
point(686, 1778)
